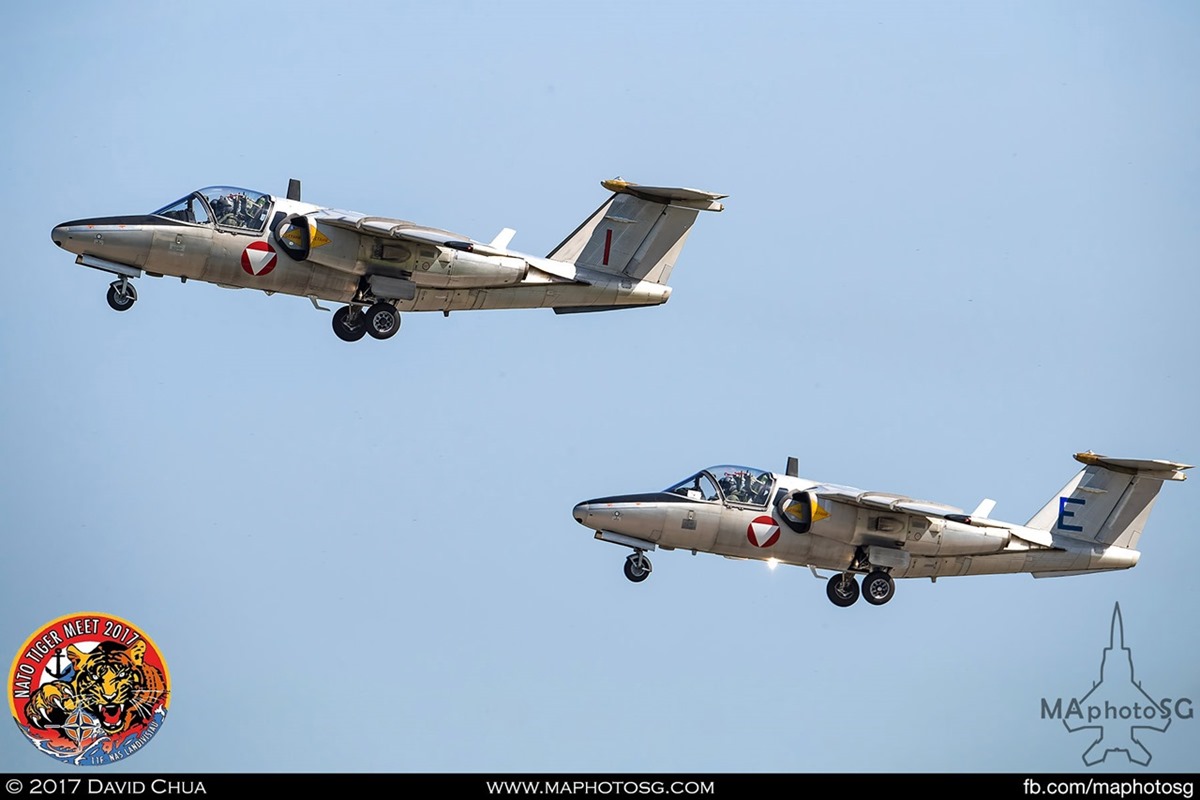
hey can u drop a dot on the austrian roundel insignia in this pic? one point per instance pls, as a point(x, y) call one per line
point(259, 259)
point(762, 532)
point(89, 689)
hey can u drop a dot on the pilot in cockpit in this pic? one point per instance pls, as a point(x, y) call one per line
point(761, 489)
point(730, 488)
point(258, 212)
point(222, 208)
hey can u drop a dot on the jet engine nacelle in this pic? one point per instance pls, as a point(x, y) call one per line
point(455, 268)
point(947, 538)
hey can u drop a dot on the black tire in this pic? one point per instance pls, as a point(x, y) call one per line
point(346, 330)
point(635, 571)
point(842, 590)
point(382, 320)
point(121, 301)
point(878, 587)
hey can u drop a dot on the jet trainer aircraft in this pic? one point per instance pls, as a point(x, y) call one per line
point(619, 257)
point(1090, 525)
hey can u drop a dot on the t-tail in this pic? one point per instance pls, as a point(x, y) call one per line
point(638, 232)
point(1108, 501)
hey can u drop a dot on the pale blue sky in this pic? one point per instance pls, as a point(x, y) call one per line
point(961, 244)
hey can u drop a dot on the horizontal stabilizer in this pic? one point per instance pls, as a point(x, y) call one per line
point(705, 200)
point(1151, 467)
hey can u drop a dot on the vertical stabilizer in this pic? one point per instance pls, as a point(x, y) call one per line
point(1108, 501)
point(638, 232)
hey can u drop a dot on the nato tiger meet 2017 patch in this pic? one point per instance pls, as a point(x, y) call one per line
point(89, 689)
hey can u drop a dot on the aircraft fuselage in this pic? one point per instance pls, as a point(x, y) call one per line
point(241, 239)
point(748, 518)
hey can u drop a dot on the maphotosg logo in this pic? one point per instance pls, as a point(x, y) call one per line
point(1117, 710)
point(88, 689)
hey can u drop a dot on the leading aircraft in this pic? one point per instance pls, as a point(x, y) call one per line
point(1090, 525)
point(620, 256)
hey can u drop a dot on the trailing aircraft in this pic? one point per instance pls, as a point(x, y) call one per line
point(1092, 524)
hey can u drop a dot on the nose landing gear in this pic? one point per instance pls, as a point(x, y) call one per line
point(637, 566)
point(121, 295)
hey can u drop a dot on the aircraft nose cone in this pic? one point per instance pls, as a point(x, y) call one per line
point(580, 512)
point(59, 234)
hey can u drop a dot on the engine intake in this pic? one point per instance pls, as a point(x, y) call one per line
point(796, 510)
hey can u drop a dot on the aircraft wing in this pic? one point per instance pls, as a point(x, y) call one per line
point(385, 228)
point(403, 230)
point(883, 501)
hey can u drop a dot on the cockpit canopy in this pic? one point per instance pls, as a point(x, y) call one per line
point(733, 484)
point(224, 206)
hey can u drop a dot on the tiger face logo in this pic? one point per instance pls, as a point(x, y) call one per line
point(89, 689)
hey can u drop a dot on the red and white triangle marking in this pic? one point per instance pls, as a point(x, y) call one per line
point(259, 258)
point(762, 532)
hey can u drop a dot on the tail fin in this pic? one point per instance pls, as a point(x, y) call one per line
point(1109, 500)
point(637, 232)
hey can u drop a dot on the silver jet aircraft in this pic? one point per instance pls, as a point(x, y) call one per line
point(619, 257)
point(1090, 525)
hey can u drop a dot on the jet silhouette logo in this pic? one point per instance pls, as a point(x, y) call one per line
point(1117, 710)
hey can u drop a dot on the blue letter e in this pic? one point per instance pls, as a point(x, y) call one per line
point(1063, 514)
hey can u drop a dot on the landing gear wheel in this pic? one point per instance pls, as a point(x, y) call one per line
point(382, 320)
point(121, 295)
point(637, 567)
point(842, 589)
point(348, 324)
point(878, 587)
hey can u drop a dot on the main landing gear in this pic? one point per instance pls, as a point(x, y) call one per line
point(842, 589)
point(878, 587)
point(352, 323)
point(121, 295)
point(348, 324)
point(383, 320)
point(637, 566)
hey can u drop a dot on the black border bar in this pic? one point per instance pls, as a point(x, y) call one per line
point(99, 782)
